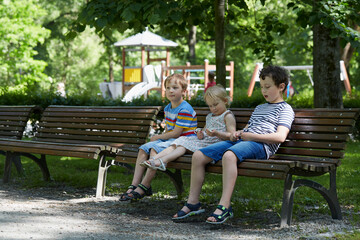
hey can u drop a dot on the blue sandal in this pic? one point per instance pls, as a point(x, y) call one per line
point(195, 209)
point(226, 214)
point(125, 195)
point(137, 196)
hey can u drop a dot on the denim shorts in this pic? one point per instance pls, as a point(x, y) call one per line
point(242, 150)
point(157, 145)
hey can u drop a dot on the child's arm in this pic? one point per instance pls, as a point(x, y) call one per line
point(230, 123)
point(277, 137)
point(167, 135)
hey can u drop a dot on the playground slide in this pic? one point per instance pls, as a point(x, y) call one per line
point(142, 88)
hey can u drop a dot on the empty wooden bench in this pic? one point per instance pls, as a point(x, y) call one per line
point(85, 132)
point(13, 121)
point(313, 147)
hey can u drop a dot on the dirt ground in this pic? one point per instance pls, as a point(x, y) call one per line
point(66, 213)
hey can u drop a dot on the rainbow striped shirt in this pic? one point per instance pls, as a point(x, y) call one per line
point(182, 116)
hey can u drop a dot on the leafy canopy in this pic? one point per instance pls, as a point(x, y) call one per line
point(20, 34)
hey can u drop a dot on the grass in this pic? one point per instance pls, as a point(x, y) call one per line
point(250, 195)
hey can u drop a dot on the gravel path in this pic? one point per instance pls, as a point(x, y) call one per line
point(54, 213)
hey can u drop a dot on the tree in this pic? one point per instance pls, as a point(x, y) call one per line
point(220, 42)
point(329, 20)
point(20, 34)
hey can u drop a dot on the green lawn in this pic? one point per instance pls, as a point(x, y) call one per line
point(251, 194)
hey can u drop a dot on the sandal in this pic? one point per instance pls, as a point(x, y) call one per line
point(143, 163)
point(151, 164)
point(137, 196)
point(125, 196)
point(195, 209)
point(220, 219)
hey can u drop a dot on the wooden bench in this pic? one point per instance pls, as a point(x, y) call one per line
point(84, 132)
point(313, 147)
point(13, 121)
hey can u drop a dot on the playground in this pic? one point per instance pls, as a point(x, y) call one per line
point(140, 80)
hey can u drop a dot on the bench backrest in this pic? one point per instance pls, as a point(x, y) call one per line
point(315, 132)
point(13, 120)
point(105, 125)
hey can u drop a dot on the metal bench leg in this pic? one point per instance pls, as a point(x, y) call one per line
point(41, 162)
point(7, 169)
point(12, 157)
point(176, 178)
point(329, 195)
point(288, 201)
point(102, 173)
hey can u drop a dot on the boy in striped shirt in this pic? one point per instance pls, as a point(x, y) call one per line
point(267, 128)
point(180, 120)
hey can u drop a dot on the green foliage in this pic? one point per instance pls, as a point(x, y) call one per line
point(335, 15)
point(20, 33)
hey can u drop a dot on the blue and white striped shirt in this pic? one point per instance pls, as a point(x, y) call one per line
point(267, 117)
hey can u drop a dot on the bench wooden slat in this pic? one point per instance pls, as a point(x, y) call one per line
point(93, 132)
point(17, 134)
point(310, 152)
point(323, 121)
point(126, 125)
point(95, 138)
point(38, 144)
point(90, 115)
point(315, 167)
point(315, 145)
point(103, 109)
point(314, 137)
point(320, 129)
point(295, 158)
point(45, 151)
point(113, 121)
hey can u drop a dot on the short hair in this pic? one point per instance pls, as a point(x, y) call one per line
point(178, 78)
point(278, 74)
point(217, 92)
point(211, 76)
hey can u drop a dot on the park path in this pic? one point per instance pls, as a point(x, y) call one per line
point(64, 213)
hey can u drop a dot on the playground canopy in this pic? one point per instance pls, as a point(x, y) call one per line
point(146, 39)
point(148, 42)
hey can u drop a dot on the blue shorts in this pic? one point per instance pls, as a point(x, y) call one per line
point(157, 145)
point(242, 150)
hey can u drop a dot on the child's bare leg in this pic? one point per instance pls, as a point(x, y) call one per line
point(139, 170)
point(165, 152)
point(199, 161)
point(169, 156)
point(229, 162)
point(138, 173)
point(149, 174)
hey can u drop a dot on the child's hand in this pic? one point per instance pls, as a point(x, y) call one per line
point(246, 136)
point(236, 136)
point(211, 133)
point(154, 138)
point(200, 135)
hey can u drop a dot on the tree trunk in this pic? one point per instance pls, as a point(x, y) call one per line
point(220, 42)
point(326, 70)
point(192, 43)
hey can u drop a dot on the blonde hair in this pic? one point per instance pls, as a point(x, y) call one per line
point(217, 92)
point(178, 78)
